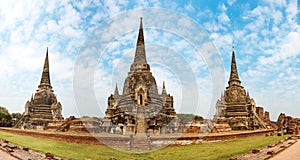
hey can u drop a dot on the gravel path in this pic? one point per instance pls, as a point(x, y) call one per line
point(293, 152)
point(6, 156)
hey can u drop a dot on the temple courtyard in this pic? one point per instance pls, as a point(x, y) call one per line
point(215, 149)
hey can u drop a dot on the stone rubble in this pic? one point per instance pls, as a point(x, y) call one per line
point(26, 153)
point(269, 151)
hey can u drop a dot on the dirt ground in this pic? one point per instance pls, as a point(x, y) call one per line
point(6, 156)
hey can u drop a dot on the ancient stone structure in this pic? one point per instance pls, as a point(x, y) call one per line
point(140, 108)
point(263, 115)
point(72, 124)
point(267, 116)
point(288, 124)
point(260, 112)
point(43, 107)
point(235, 105)
point(220, 126)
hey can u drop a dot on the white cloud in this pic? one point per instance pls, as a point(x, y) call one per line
point(13, 12)
point(205, 14)
point(112, 7)
point(222, 7)
point(231, 2)
point(149, 3)
point(291, 11)
point(189, 8)
point(277, 17)
point(69, 16)
point(290, 46)
point(276, 3)
point(223, 18)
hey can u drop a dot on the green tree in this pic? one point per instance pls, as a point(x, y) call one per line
point(188, 117)
point(5, 117)
point(198, 118)
point(15, 118)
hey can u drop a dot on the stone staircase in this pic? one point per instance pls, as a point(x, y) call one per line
point(140, 142)
point(260, 122)
point(66, 125)
point(20, 123)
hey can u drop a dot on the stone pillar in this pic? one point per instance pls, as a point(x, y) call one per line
point(260, 112)
point(267, 116)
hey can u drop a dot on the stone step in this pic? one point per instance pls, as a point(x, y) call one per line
point(140, 142)
point(42, 109)
point(39, 115)
point(116, 142)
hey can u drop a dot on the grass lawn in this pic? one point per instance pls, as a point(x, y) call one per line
point(220, 150)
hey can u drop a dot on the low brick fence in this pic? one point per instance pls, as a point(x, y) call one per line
point(54, 136)
point(236, 135)
point(123, 140)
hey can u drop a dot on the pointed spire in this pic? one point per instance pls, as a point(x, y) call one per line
point(45, 79)
point(164, 91)
point(222, 97)
point(116, 90)
point(247, 96)
point(140, 61)
point(234, 77)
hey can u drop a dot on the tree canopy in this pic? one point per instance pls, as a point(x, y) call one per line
point(16, 116)
point(188, 117)
point(5, 117)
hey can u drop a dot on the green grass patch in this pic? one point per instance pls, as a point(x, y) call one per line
point(220, 150)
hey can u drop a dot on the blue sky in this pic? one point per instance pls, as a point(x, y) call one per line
point(188, 44)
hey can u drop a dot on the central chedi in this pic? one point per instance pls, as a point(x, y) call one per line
point(140, 108)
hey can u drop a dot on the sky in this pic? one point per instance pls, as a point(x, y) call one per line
point(188, 45)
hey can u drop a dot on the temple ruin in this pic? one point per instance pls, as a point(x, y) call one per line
point(236, 107)
point(140, 108)
point(288, 124)
point(43, 107)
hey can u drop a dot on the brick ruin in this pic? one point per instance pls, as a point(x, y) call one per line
point(288, 124)
point(72, 124)
point(140, 108)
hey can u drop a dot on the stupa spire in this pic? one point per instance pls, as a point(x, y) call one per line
point(222, 97)
point(164, 91)
point(116, 90)
point(140, 54)
point(45, 79)
point(234, 77)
